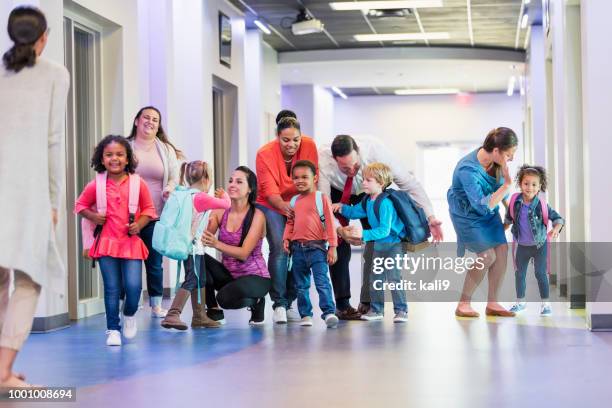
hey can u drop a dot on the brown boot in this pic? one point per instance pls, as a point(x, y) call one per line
point(173, 318)
point(200, 319)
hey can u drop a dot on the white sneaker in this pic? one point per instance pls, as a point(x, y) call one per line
point(113, 338)
point(158, 312)
point(130, 328)
point(293, 315)
point(306, 321)
point(372, 316)
point(331, 321)
point(400, 317)
point(280, 315)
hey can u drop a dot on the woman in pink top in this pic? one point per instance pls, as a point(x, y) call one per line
point(197, 176)
point(242, 278)
point(118, 247)
point(158, 166)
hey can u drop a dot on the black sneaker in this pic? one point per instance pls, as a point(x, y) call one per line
point(217, 315)
point(257, 313)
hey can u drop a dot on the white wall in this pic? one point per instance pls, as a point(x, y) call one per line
point(402, 121)
point(596, 89)
point(263, 88)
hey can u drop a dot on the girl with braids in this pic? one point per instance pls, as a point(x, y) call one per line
point(481, 181)
point(197, 176)
point(158, 166)
point(33, 94)
point(241, 278)
point(529, 214)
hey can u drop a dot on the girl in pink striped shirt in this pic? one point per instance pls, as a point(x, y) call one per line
point(196, 175)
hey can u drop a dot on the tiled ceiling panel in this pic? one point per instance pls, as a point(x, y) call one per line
point(494, 24)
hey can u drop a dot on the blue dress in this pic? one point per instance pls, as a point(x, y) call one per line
point(478, 227)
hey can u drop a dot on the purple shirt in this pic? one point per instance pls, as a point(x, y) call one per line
point(525, 234)
point(253, 265)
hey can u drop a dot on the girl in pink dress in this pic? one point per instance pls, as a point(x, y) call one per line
point(118, 248)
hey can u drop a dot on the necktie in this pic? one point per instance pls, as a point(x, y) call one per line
point(345, 199)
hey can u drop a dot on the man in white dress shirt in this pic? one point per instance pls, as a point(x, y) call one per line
point(341, 176)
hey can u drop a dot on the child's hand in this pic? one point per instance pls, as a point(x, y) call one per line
point(336, 207)
point(209, 239)
point(286, 243)
point(166, 194)
point(506, 226)
point(219, 193)
point(332, 255)
point(133, 228)
point(554, 233)
point(353, 233)
point(98, 219)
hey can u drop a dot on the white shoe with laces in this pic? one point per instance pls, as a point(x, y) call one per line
point(293, 315)
point(331, 321)
point(306, 321)
point(113, 338)
point(280, 315)
point(130, 327)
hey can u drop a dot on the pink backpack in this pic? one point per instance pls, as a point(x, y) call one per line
point(544, 206)
point(88, 228)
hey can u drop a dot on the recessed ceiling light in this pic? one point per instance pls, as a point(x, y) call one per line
point(511, 83)
point(381, 5)
point(338, 92)
point(425, 91)
point(402, 36)
point(262, 27)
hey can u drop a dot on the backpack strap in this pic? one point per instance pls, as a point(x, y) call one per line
point(319, 203)
point(511, 204)
point(293, 200)
point(378, 202)
point(134, 195)
point(101, 193)
point(544, 206)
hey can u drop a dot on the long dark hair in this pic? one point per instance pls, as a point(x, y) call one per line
point(161, 134)
point(25, 26)
point(502, 138)
point(97, 162)
point(248, 218)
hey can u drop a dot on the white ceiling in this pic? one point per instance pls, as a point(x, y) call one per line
point(488, 72)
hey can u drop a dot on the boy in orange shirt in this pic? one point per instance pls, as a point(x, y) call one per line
point(312, 242)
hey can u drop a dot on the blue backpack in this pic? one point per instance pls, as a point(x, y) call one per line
point(411, 215)
point(172, 234)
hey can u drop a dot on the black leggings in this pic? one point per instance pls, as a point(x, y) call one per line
point(234, 293)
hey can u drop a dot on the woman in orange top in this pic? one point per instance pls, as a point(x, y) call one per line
point(275, 188)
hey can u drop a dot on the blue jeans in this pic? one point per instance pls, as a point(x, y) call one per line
point(523, 255)
point(283, 287)
point(120, 275)
point(191, 280)
point(391, 275)
point(153, 265)
point(305, 259)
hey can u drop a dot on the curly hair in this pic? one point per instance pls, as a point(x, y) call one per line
point(96, 160)
point(527, 169)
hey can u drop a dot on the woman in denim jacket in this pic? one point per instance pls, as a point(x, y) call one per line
point(531, 234)
point(481, 182)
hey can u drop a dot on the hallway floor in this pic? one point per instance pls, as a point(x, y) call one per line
point(434, 360)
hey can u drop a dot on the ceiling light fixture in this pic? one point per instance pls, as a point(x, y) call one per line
point(425, 91)
point(262, 27)
point(401, 37)
point(524, 21)
point(381, 5)
point(338, 92)
point(511, 83)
